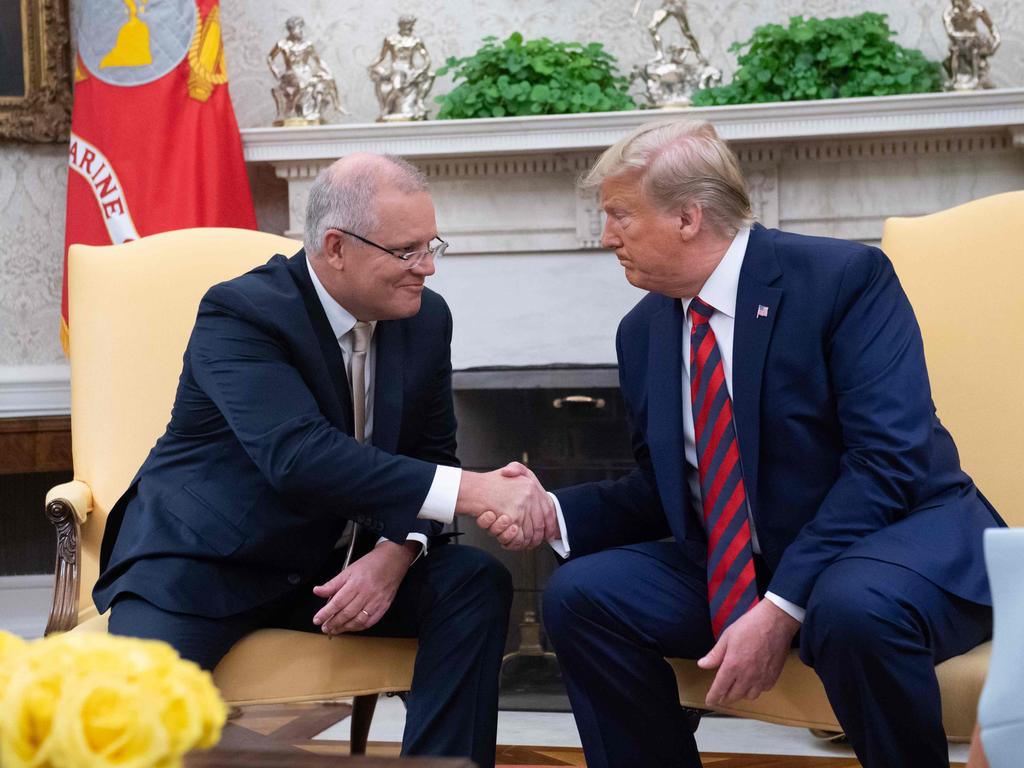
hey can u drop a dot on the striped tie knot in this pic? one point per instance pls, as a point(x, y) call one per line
point(700, 311)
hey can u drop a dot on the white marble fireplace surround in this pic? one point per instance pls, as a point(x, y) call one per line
point(526, 280)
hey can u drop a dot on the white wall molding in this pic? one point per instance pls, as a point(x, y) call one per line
point(885, 115)
point(510, 165)
point(35, 390)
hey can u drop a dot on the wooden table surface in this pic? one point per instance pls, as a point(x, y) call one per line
point(250, 757)
point(281, 736)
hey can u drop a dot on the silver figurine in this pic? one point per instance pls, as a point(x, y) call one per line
point(305, 87)
point(671, 9)
point(967, 67)
point(669, 81)
point(401, 75)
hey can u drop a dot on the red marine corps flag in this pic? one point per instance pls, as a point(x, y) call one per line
point(154, 142)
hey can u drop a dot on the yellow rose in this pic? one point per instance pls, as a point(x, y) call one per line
point(92, 700)
point(106, 721)
point(179, 714)
point(206, 700)
point(11, 646)
point(27, 711)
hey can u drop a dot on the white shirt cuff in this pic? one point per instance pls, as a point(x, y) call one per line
point(419, 538)
point(792, 609)
point(561, 544)
point(444, 492)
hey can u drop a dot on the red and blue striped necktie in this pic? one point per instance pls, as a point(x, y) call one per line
point(732, 587)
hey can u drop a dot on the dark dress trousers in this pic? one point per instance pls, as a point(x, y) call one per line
point(861, 510)
point(234, 515)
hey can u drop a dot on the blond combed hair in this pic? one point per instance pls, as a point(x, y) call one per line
point(680, 163)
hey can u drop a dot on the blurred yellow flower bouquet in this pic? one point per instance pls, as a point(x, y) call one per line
point(85, 700)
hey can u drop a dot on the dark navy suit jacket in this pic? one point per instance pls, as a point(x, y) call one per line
point(257, 474)
point(843, 454)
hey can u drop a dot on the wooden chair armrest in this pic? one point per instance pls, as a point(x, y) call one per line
point(67, 507)
point(76, 494)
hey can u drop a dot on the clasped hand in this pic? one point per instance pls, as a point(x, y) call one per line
point(511, 505)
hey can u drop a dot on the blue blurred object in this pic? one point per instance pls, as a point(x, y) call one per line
point(1001, 709)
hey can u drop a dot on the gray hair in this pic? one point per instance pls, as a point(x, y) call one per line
point(344, 194)
point(680, 162)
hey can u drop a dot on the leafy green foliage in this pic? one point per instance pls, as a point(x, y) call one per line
point(824, 59)
point(535, 77)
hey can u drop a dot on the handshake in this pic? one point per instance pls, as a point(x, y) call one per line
point(510, 504)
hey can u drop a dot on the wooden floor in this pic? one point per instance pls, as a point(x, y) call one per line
point(297, 724)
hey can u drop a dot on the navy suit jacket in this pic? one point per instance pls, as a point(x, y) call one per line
point(257, 474)
point(843, 454)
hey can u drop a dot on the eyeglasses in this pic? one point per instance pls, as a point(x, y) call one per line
point(435, 248)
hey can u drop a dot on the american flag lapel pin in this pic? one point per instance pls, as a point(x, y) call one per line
point(762, 310)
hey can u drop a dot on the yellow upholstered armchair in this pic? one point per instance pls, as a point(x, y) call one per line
point(132, 307)
point(963, 270)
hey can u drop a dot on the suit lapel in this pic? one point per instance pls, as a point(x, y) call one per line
point(388, 384)
point(664, 409)
point(753, 330)
point(338, 409)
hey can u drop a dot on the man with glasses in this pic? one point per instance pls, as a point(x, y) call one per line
point(309, 465)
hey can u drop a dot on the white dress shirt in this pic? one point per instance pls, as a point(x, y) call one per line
point(720, 292)
point(439, 504)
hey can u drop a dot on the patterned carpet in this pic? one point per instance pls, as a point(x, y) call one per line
point(297, 724)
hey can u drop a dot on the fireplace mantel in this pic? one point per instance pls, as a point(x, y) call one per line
point(525, 276)
point(766, 137)
point(890, 116)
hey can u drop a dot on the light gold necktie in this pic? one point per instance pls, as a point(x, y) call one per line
point(360, 344)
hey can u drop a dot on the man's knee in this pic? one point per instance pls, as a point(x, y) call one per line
point(204, 641)
point(848, 616)
point(479, 573)
point(569, 594)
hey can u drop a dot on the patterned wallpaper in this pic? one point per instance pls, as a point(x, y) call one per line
point(33, 183)
point(348, 35)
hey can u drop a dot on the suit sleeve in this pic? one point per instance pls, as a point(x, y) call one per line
point(245, 368)
point(617, 512)
point(436, 441)
point(884, 408)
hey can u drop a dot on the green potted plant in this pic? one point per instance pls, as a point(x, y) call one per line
point(533, 77)
point(824, 59)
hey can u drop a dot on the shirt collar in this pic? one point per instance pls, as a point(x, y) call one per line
point(720, 289)
point(342, 321)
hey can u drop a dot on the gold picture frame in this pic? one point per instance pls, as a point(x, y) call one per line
point(39, 107)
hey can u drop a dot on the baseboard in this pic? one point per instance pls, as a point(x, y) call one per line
point(25, 604)
point(35, 390)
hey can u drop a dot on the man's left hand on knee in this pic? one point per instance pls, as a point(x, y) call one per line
point(361, 594)
point(750, 654)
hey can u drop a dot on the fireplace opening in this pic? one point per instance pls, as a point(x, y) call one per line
point(569, 425)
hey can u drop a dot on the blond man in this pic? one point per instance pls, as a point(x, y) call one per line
point(786, 441)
